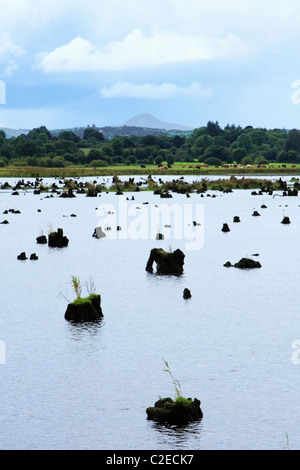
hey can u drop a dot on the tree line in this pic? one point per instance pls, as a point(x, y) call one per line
point(210, 144)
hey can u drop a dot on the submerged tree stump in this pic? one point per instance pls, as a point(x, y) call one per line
point(166, 263)
point(187, 294)
point(244, 263)
point(85, 309)
point(41, 240)
point(286, 220)
point(179, 412)
point(57, 239)
point(225, 228)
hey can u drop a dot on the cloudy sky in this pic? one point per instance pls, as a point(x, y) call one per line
point(67, 63)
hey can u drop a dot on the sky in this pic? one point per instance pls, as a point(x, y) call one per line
point(73, 63)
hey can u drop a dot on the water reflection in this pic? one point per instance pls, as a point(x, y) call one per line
point(178, 437)
point(80, 331)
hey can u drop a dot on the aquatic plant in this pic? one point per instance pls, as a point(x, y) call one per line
point(175, 382)
point(287, 447)
point(77, 286)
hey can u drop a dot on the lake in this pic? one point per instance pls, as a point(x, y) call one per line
point(234, 345)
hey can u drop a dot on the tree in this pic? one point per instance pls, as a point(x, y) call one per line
point(213, 128)
point(238, 154)
point(149, 140)
point(204, 141)
point(244, 141)
point(158, 160)
point(293, 141)
point(68, 135)
point(98, 163)
point(217, 151)
point(117, 146)
point(92, 133)
point(34, 133)
point(94, 154)
point(247, 161)
point(65, 146)
point(213, 161)
point(26, 148)
point(178, 141)
point(58, 162)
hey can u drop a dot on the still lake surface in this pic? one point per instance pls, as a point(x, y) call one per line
point(66, 386)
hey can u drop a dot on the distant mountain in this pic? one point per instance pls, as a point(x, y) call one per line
point(141, 125)
point(151, 122)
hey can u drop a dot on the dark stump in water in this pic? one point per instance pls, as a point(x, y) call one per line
point(57, 239)
point(42, 240)
point(286, 220)
point(166, 263)
point(247, 263)
point(179, 412)
point(85, 310)
point(68, 194)
point(225, 228)
point(22, 256)
point(187, 294)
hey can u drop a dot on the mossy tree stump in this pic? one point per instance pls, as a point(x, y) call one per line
point(86, 309)
point(180, 412)
point(166, 263)
point(244, 263)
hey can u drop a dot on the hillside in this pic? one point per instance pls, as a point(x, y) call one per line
point(13, 132)
point(140, 126)
point(151, 122)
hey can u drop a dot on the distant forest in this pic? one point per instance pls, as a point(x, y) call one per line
point(209, 145)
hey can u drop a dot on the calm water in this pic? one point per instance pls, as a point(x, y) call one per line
point(87, 386)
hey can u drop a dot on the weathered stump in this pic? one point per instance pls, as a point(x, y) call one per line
point(42, 240)
point(57, 239)
point(166, 263)
point(187, 294)
point(85, 310)
point(179, 412)
point(225, 228)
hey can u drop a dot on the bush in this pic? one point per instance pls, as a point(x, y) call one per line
point(2, 162)
point(212, 161)
point(59, 162)
point(98, 163)
point(247, 161)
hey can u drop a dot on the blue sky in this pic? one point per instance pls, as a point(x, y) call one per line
point(74, 63)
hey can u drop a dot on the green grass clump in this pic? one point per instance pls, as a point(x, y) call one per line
point(84, 300)
point(183, 401)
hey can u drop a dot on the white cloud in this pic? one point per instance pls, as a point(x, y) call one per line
point(150, 91)
point(137, 50)
point(8, 48)
point(8, 52)
point(10, 69)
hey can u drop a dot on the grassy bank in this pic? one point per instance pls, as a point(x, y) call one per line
point(177, 169)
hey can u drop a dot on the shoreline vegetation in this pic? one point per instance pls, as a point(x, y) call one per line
point(206, 150)
point(68, 187)
point(136, 170)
